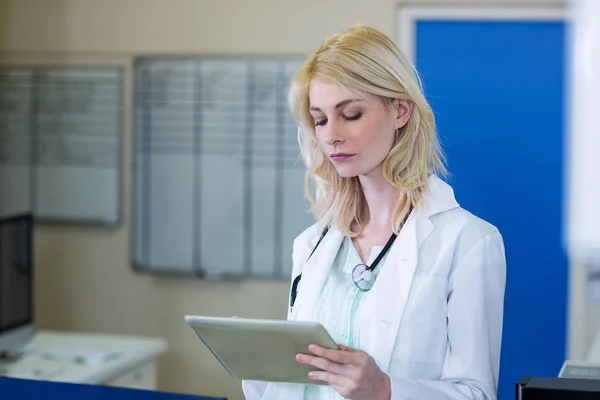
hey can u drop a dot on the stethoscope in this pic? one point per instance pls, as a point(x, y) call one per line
point(362, 274)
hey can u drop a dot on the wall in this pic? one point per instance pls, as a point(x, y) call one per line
point(84, 280)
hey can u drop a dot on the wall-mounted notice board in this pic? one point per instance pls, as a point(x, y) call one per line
point(219, 182)
point(60, 143)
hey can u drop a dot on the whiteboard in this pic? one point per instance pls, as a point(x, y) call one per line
point(219, 182)
point(60, 143)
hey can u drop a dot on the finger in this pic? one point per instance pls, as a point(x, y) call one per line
point(321, 363)
point(338, 356)
point(328, 377)
point(304, 359)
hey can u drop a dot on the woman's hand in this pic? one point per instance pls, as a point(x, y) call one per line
point(351, 372)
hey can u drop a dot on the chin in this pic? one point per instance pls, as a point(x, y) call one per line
point(347, 172)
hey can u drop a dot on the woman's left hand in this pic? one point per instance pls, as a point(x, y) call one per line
point(351, 372)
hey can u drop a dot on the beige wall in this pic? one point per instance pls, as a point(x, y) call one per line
point(84, 280)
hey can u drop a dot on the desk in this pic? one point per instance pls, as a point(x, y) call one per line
point(134, 368)
point(23, 389)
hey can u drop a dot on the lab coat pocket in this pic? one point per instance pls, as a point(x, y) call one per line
point(422, 336)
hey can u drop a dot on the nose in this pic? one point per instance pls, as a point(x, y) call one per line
point(333, 134)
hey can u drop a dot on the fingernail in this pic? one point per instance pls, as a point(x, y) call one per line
point(311, 374)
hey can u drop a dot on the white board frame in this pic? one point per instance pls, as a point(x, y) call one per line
point(408, 14)
point(121, 70)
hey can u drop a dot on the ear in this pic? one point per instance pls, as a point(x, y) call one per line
point(403, 110)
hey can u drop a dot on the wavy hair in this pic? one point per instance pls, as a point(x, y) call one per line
point(363, 59)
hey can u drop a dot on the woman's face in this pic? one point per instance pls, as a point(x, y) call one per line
point(356, 131)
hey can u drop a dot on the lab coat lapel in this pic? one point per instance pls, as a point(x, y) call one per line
point(392, 287)
point(314, 273)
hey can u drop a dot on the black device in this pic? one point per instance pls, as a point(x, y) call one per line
point(547, 388)
point(16, 283)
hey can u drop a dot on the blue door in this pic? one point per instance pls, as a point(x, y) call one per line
point(497, 91)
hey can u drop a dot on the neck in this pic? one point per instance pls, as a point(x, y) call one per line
point(381, 198)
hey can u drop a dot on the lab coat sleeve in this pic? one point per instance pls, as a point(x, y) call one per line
point(474, 316)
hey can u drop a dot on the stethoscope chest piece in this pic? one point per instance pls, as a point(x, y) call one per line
point(363, 277)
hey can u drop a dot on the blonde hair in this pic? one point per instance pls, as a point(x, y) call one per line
point(366, 60)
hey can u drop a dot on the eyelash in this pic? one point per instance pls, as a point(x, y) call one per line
point(350, 118)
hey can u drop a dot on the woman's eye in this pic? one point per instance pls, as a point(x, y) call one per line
point(353, 117)
point(320, 122)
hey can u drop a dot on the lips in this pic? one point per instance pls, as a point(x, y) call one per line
point(338, 157)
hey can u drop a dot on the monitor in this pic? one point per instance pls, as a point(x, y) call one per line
point(16, 283)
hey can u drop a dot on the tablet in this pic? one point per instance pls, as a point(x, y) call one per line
point(261, 350)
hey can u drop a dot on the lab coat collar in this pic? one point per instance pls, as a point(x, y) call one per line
point(439, 197)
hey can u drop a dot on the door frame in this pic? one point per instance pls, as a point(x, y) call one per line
point(408, 14)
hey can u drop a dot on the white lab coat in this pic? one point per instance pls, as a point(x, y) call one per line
point(434, 319)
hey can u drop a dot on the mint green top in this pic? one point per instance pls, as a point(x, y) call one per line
point(339, 305)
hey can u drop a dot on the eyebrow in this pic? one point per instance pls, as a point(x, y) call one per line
point(340, 104)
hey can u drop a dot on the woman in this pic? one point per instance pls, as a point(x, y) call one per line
point(410, 284)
